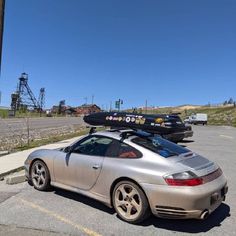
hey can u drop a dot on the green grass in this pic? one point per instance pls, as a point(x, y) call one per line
point(3, 113)
point(24, 114)
point(54, 139)
point(216, 115)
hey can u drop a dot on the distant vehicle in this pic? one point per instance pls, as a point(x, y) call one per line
point(169, 126)
point(198, 118)
point(48, 113)
point(134, 172)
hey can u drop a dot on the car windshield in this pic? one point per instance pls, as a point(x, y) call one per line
point(160, 146)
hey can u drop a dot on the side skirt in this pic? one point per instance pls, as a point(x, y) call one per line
point(92, 195)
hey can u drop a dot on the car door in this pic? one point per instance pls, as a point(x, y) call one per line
point(81, 167)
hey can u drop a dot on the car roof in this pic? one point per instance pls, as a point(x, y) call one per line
point(113, 133)
point(122, 134)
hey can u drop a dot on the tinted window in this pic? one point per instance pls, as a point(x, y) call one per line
point(160, 146)
point(122, 150)
point(95, 146)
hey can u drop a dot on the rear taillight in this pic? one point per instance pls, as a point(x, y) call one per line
point(184, 182)
point(188, 178)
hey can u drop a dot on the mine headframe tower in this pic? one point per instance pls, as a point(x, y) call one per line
point(41, 100)
point(24, 98)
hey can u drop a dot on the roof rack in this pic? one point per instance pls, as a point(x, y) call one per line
point(92, 130)
point(126, 134)
point(120, 129)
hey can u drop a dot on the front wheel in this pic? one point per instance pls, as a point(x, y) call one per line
point(40, 176)
point(130, 202)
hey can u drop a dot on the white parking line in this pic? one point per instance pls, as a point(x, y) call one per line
point(60, 218)
point(226, 136)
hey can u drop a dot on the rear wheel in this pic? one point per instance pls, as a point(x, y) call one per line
point(130, 202)
point(40, 176)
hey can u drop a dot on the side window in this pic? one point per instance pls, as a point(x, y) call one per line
point(122, 150)
point(94, 146)
point(127, 151)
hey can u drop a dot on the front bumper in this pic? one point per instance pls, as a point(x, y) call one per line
point(27, 167)
point(185, 202)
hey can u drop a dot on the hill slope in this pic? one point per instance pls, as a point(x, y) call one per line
point(223, 115)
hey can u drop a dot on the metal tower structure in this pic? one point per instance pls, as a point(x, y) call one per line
point(41, 100)
point(24, 98)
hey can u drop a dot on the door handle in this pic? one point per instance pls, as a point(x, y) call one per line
point(96, 166)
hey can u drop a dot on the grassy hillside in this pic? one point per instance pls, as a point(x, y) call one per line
point(3, 113)
point(223, 115)
point(217, 115)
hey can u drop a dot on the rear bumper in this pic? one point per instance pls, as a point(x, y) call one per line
point(188, 134)
point(186, 202)
point(178, 136)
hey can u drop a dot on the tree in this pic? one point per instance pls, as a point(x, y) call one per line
point(225, 103)
point(231, 101)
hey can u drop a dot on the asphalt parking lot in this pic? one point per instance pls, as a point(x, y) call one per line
point(25, 211)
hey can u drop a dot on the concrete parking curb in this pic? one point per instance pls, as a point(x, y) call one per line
point(16, 179)
point(14, 162)
point(11, 171)
point(2, 153)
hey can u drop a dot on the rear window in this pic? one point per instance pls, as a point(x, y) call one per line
point(160, 146)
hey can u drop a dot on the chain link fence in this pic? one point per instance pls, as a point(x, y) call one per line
point(15, 133)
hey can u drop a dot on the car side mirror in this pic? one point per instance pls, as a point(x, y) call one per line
point(68, 149)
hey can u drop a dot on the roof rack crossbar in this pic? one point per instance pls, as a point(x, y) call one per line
point(124, 135)
point(92, 130)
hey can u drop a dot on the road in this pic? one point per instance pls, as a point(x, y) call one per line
point(24, 210)
point(14, 132)
point(19, 125)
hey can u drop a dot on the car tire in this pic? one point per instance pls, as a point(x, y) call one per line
point(130, 202)
point(40, 176)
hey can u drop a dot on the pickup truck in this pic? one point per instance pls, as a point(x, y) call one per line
point(198, 118)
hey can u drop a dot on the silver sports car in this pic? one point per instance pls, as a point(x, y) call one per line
point(134, 172)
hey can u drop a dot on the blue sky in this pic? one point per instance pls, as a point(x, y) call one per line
point(169, 52)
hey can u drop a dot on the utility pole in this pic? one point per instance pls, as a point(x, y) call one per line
point(110, 105)
point(92, 99)
point(146, 106)
point(86, 100)
point(2, 9)
point(118, 104)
